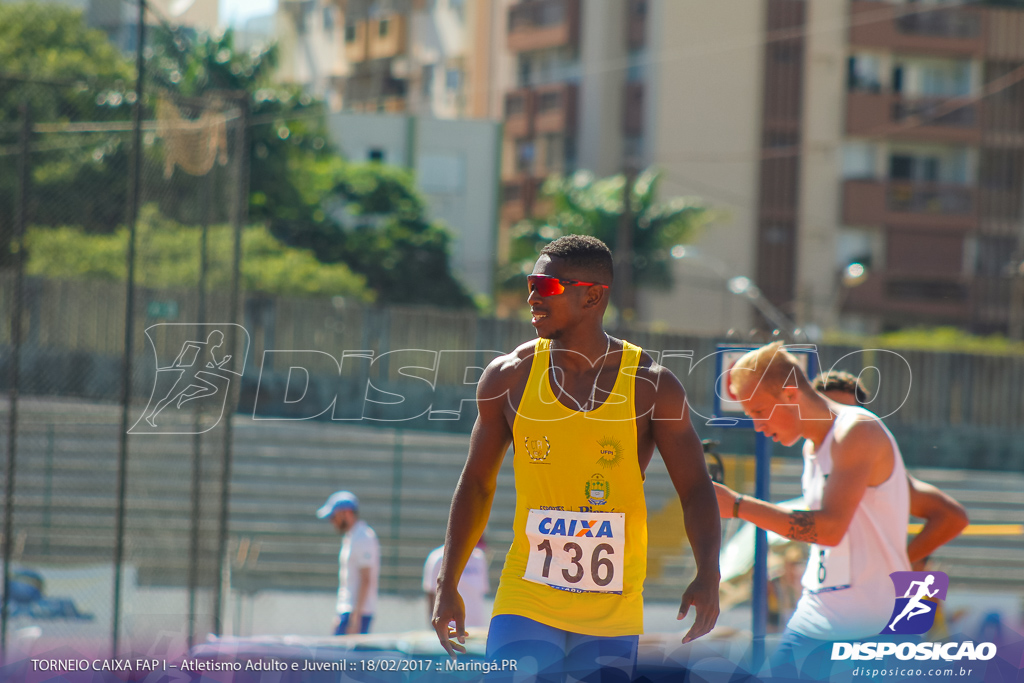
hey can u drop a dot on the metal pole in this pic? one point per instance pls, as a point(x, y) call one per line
point(197, 418)
point(624, 252)
point(241, 215)
point(396, 504)
point(20, 223)
point(759, 602)
point(134, 194)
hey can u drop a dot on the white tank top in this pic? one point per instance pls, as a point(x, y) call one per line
point(847, 593)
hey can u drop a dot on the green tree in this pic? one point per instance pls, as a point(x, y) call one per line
point(287, 131)
point(168, 256)
point(372, 219)
point(584, 204)
point(366, 216)
point(50, 60)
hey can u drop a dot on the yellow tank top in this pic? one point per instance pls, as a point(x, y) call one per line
point(580, 529)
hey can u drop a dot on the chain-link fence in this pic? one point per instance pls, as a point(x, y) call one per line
point(95, 508)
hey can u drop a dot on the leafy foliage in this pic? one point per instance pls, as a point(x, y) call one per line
point(373, 220)
point(366, 222)
point(65, 72)
point(584, 204)
point(168, 256)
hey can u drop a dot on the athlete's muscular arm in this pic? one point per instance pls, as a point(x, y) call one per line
point(471, 504)
point(859, 455)
point(681, 450)
point(944, 518)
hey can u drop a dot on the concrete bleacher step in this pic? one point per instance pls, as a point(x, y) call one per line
point(281, 471)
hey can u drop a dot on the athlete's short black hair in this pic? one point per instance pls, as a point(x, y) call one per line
point(840, 380)
point(586, 253)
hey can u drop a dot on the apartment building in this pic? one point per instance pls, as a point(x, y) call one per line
point(390, 56)
point(866, 157)
point(933, 164)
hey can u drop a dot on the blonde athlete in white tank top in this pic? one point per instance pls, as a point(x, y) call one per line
point(847, 592)
point(857, 498)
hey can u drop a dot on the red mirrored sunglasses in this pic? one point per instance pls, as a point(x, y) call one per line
point(545, 285)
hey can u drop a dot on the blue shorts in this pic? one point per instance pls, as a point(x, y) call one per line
point(549, 655)
point(343, 620)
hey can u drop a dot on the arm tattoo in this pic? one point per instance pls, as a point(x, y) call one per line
point(802, 526)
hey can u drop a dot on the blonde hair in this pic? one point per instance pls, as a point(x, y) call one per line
point(769, 368)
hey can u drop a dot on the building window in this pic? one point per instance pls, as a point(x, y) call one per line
point(524, 155)
point(350, 33)
point(524, 70)
point(452, 80)
point(549, 101)
point(375, 154)
point(863, 73)
point(383, 27)
point(427, 80)
point(328, 20)
point(515, 105)
point(906, 167)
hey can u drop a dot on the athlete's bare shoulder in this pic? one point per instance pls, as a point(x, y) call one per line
point(656, 384)
point(507, 372)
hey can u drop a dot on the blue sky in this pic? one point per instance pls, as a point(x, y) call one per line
point(237, 11)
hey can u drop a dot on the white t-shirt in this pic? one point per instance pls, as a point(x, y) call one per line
point(847, 592)
point(359, 548)
point(473, 585)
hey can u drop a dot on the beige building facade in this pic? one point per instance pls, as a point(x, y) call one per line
point(864, 158)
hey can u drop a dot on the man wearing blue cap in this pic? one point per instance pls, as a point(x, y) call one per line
point(358, 564)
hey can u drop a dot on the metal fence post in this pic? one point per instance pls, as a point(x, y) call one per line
point(20, 224)
point(134, 196)
point(197, 430)
point(240, 217)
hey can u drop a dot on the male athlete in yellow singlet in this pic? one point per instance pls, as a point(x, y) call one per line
point(584, 412)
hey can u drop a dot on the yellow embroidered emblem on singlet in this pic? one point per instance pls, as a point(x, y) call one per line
point(579, 549)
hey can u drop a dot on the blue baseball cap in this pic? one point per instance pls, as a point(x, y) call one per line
point(340, 500)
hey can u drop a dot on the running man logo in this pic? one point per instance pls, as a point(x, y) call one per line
point(917, 596)
point(190, 392)
point(580, 528)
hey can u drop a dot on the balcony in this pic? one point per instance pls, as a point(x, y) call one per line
point(387, 36)
point(949, 120)
point(911, 28)
point(543, 24)
point(903, 299)
point(909, 204)
point(519, 113)
point(555, 108)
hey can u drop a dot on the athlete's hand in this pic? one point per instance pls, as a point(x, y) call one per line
point(726, 500)
point(702, 594)
point(448, 608)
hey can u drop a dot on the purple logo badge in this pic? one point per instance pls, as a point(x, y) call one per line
point(917, 598)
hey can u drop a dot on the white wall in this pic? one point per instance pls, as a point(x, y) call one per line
point(706, 67)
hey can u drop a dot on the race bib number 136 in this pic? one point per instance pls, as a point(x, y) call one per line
point(579, 551)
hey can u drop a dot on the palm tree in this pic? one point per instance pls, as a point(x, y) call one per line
point(584, 204)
